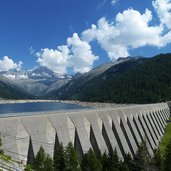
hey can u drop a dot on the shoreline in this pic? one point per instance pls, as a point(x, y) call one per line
point(84, 104)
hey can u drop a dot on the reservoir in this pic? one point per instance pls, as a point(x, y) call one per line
point(19, 108)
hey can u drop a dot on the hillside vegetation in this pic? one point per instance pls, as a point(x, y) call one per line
point(8, 91)
point(166, 139)
point(135, 81)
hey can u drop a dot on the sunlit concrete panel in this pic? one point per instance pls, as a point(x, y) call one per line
point(158, 117)
point(150, 129)
point(142, 133)
point(15, 139)
point(153, 123)
point(146, 131)
point(65, 129)
point(36, 126)
point(154, 120)
point(123, 145)
point(108, 133)
point(82, 131)
point(96, 125)
point(127, 132)
point(161, 118)
point(129, 112)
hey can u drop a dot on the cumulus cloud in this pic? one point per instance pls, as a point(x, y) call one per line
point(77, 54)
point(130, 29)
point(163, 9)
point(54, 59)
point(81, 56)
point(7, 64)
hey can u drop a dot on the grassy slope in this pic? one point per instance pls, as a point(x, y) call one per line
point(165, 139)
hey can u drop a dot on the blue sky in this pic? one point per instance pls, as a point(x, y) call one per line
point(59, 34)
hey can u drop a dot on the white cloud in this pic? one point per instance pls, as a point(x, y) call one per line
point(113, 2)
point(129, 30)
point(7, 64)
point(77, 54)
point(163, 9)
point(56, 60)
point(81, 56)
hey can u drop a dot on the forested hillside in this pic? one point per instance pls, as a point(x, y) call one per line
point(134, 81)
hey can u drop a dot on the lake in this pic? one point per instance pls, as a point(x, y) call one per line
point(37, 107)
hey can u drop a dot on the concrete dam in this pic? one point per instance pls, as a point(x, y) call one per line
point(121, 128)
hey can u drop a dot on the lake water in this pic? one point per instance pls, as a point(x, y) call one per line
point(37, 107)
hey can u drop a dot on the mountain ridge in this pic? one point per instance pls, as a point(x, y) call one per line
point(126, 80)
point(142, 80)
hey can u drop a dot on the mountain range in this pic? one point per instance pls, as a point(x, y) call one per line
point(36, 82)
point(126, 80)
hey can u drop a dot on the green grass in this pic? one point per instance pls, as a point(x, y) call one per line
point(5, 157)
point(165, 140)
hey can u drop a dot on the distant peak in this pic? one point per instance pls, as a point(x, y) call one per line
point(123, 59)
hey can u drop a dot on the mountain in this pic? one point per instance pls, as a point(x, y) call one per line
point(36, 82)
point(135, 80)
point(8, 91)
point(72, 88)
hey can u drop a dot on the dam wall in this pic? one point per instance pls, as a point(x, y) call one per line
point(121, 128)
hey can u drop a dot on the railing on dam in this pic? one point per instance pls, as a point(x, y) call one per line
point(121, 128)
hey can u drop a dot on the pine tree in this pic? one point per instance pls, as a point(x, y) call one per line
point(59, 158)
point(105, 162)
point(71, 158)
point(128, 162)
point(90, 162)
point(141, 159)
point(48, 164)
point(113, 160)
point(167, 158)
point(38, 164)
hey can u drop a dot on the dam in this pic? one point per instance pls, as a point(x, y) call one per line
point(122, 128)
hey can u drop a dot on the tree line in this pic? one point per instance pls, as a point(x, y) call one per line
point(67, 159)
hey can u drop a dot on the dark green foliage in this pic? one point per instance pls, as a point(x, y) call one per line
point(156, 160)
point(167, 158)
point(90, 162)
point(59, 158)
point(28, 167)
point(142, 159)
point(128, 163)
point(71, 159)
point(43, 161)
point(105, 162)
point(48, 164)
point(67, 160)
point(147, 81)
point(113, 160)
point(40, 159)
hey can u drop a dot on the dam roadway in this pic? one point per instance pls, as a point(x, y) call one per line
point(122, 128)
